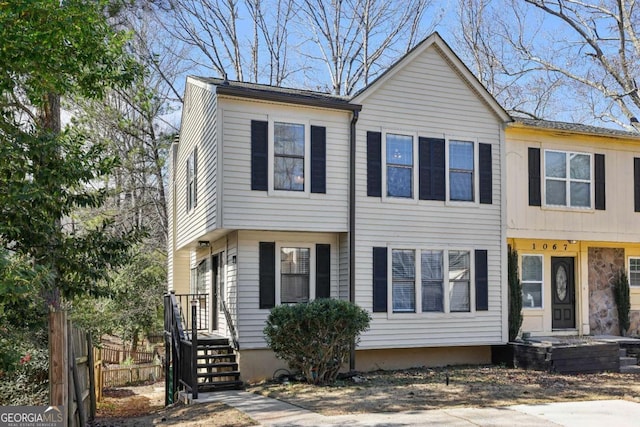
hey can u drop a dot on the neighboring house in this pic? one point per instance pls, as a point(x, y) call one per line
point(392, 199)
point(573, 215)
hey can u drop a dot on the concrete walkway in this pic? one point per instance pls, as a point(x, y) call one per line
point(272, 412)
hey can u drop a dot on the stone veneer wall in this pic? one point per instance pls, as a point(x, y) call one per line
point(604, 265)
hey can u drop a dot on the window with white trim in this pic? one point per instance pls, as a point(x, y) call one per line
point(460, 281)
point(568, 179)
point(432, 281)
point(295, 270)
point(288, 156)
point(634, 271)
point(403, 277)
point(461, 171)
point(400, 160)
point(532, 283)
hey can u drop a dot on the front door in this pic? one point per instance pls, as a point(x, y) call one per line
point(563, 290)
point(215, 276)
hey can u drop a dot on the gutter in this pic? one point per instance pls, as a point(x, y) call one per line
point(352, 224)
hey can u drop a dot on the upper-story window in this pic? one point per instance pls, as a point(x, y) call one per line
point(634, 271)
point(568, 179)
point(404, 165)
point(192, 170)
point(461, 176)
point(288, 156)
point(399, 165)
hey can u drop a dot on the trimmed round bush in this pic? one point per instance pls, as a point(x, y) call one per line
point(315, 338)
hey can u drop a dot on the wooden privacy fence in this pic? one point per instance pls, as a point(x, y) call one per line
point(118, 376)
point(117, 356)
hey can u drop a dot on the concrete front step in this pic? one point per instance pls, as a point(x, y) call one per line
point(628, 361)
point(631, 369)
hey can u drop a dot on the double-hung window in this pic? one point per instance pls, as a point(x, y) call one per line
point(461, 176)
point(399, 165)
point(288, 156)
point(403, 278)
point(295, 269)
point(459, 281)
point(634, 271)
point(568, 179)
point(532, 281)
point(432, 281)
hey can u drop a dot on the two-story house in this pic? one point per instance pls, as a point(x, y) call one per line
point(573, 215)
point(393, 199)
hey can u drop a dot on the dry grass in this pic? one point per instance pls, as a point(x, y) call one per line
point(424, 388)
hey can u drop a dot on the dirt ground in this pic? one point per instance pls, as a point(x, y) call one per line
point(139, 406)
point(382, 391)
point(424, 388)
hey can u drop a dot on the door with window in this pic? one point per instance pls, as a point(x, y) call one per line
point(563, 293)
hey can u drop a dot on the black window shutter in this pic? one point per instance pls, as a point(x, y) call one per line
point(601, 200)
point(431, 168)
point(195, 178)
point(482, 280)
point(374, 164)
point(535, 197)
point(323, 271)
point(259, 155)
point(318, 159)
point(636, 183)
point(379, 279)
point(267, 274)
point(486, 174)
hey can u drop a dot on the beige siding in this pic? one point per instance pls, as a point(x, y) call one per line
point(251, 320)
point(428, 98)
point(245, 209)
point(198, 129)
point(618, 223)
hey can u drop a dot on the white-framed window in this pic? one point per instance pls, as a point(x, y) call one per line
point(432, 277)
point(403, 280)
point(289, 153)
point(400, 164)
point(295, 274)
point(192, 169)
point(568, 178)
point(407, 295)
point(199, 278)
point(532, 281)
point(461, 170)
point(634, 271)
point(460, 281)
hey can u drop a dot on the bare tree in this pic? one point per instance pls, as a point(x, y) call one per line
point(588, 52)
point(356, 39)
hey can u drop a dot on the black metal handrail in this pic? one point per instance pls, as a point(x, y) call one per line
point(202, 310)
point(231, 326)
point(174, 336)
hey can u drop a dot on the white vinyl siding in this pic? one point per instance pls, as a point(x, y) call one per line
point(243, 208)
point(251, 318)
point(199, 132)
point(427, 97)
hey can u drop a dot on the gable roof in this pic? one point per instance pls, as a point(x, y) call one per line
point(435, 40)
point(524, 123)
point(278, 94)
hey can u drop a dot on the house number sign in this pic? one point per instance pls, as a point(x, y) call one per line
point(550, 246)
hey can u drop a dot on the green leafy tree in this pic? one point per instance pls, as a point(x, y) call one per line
point(52, 51)
point(515, 295)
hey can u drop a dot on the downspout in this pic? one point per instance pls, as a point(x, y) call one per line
point(352, 225)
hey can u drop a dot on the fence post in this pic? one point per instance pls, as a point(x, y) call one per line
point(194, 350)
point(59, 362)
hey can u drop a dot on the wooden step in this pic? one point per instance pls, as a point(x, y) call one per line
point(215, 347)
point(211, 357)
point(628, 361)
point(218, 365)
point(221, 385)
point(631, 369)
point(219, 374)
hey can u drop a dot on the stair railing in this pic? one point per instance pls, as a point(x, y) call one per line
point(231, 326)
